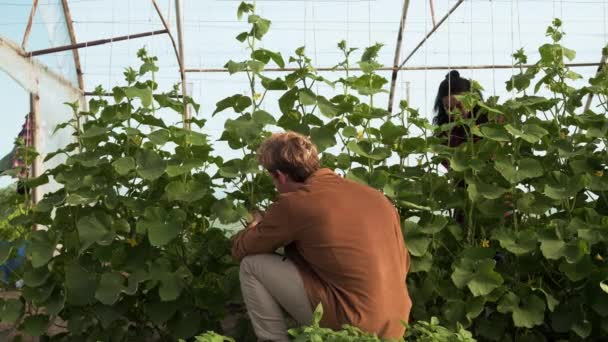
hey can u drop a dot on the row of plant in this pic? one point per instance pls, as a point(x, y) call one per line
point(133, 250)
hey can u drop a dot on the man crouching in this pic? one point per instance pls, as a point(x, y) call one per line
point(343, 244)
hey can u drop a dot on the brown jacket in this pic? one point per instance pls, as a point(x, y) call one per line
point(346, 240)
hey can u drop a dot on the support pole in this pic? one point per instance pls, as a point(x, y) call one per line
point(70, 25)
point(30, 21)
point(92, 43)
point(431, 32)
point(391, 96)
point(37, 163)
point(175, 48)
point(432, 5)
point(180, 40)
point(599, 69)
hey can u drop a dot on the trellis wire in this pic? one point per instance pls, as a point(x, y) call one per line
point(493, 48)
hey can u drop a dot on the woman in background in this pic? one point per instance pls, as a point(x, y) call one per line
point(447, 108)
point(447, 105)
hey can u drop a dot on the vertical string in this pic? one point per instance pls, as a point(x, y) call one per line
point(605, 19)
point(512, 48)
point(129, 27)
point(471, 41)
point(314, 41)
point(518, 22)
point(111, 47)
point(369, 22)
point(314, 34)
point(426, 56)
point(200, 62)
point(305, 23)
point(347, 21)
point(493, 50)
point(449, 47)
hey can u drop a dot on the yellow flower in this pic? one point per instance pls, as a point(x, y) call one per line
point(257, 96)
point(132, 242)
point(360, 135)
point(485, 243)
point(136, 139)
point(599, 173)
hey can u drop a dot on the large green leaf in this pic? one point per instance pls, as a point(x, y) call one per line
point(577, 271)
point(34, 277)
point(390, 132)
point(531, 133)
point(260, 26)
point(38, 295)
point(495, 132)
point(326, 107)
point(551, 245)
point(41, 248)
point(150, 165)
point(110, 286)
point(324, 137)
point(364, 149)
point(80, 285)
point(227, 212)
point(188, 191)
point(178, 168)
point(10, 310)
point(94, 228)
point(478, 275)
point(561, 186)
point(124, 165)
point(516, 172)
point(480, 189)
point(262, 117)
point(526, 313)
point(35, 325)
point(144, 94)
point(265, 56)
point(307, 97)
point(417, 242)
point(5, 252)
point(161, 225)
point(518, 243)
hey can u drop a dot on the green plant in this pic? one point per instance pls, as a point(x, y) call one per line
point(528, 260)
point(420, 331)
point(130, 252)
point(133, 252)
point(11, 206)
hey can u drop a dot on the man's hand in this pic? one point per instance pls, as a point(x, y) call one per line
point(256, 218)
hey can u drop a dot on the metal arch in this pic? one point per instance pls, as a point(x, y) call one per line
point(179, 57)
point(391, 96)
point(28, 28)
point(431, 32)
point(70, 24)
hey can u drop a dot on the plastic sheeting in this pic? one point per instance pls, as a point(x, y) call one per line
point(52, 91)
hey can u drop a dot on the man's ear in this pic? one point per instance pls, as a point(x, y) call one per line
point(281, 177)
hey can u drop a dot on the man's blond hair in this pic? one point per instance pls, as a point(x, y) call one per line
point(291, 153)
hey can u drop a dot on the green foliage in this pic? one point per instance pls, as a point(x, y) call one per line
point(129, 254)
point(509, 243)
point(421, 331)
point(11, 206)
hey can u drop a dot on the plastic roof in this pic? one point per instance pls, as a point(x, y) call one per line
point(478, 32)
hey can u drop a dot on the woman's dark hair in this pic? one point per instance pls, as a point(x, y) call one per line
point(453, 84)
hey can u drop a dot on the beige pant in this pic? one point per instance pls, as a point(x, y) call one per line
point(271, 284)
